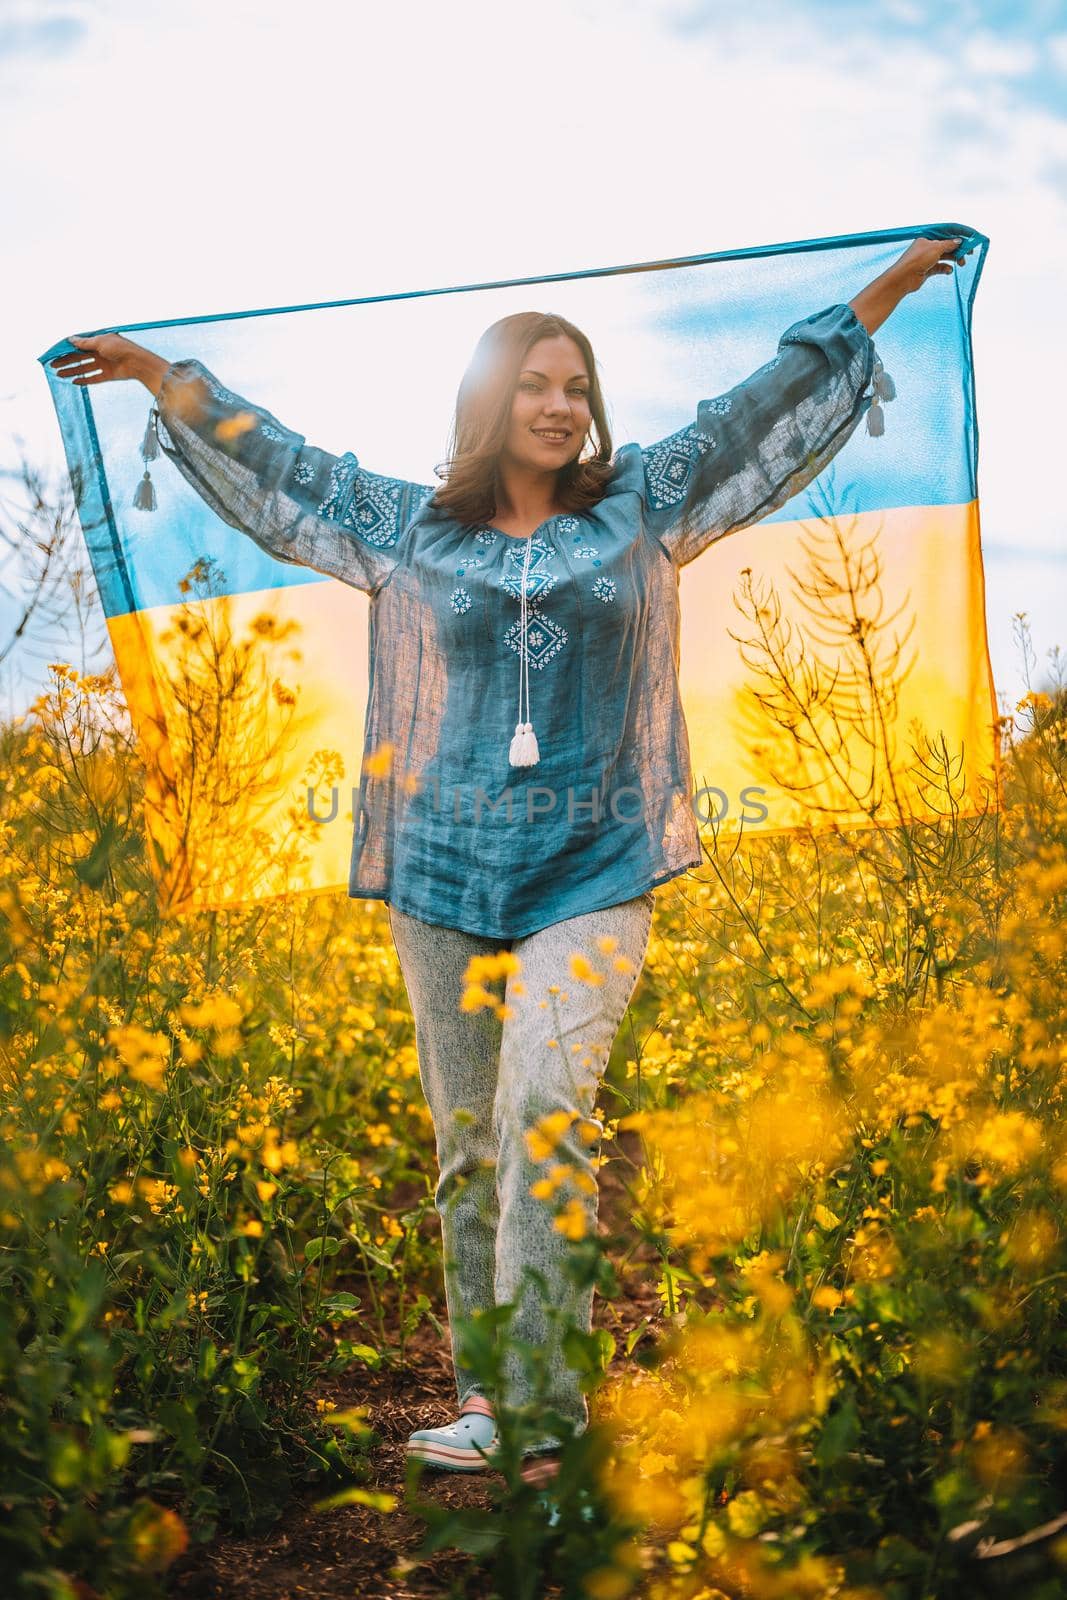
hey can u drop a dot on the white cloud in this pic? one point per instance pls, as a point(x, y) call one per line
point(906, 11)
point(193, 159)
point(28, 28)
point(986, 55)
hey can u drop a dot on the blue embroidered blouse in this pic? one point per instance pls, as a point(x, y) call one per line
point(607, 811)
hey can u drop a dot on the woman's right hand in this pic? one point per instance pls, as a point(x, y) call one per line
point(108, 357)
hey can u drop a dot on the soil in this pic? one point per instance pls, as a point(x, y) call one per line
point(363, 1554)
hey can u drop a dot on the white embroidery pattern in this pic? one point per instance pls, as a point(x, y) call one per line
point(544, 637)
point(460, 600)
point(669, 464)
point(588, 552)
point(721, 407)
point(487, 536)
point(271, 433)
point(569, 525)
point(363, 501)
point(303, 472)
point(539, 581)
point(225, 395)
point(604, 589)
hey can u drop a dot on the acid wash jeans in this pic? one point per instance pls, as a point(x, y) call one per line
point(488, 1082)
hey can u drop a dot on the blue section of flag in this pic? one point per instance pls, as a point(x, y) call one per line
point(720, 313)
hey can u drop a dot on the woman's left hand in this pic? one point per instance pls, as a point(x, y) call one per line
point(923, 259)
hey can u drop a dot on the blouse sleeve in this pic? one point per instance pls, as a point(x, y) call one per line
point(758, 444)
point(299, 503)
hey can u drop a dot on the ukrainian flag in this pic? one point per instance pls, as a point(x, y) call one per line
point(834, 661)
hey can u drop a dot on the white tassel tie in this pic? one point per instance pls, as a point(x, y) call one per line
point(144, 498)
point(524, 751)
point(884, 389)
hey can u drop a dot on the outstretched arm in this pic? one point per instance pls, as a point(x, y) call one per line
point(299, 503)
point(754, 447)
point(924, 258)
point(758, 444)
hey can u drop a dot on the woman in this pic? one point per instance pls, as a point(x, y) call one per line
point(540, 549)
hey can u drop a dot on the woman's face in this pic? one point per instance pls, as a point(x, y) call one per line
point(550, 414)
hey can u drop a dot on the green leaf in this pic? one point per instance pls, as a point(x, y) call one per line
point(415, 1313)
point(180, 1422)
point(477, 1532)
point(67, 1466)
point(323, 1246)
point(635, 1333)
point(897, 1557)
point(839, 1434)
point(342, 1301)
point(588, 1352)
point(358, 1497)
point(365, 1353)
point(110, 848)
point(124, 1259)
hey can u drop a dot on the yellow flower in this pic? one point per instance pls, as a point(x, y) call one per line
point(746, 1514)
point(380, 761)
point(1031, 1241)
point(231, 428)
point(583, 971)
point(351, 1417)
point(571, 1221)
point(503, 964)
point(608, 1583)
point(940, 1357)
point(156, 1536)
point(542, 1139)
point(475, 997)
point(219, 1011)
point(713, 1544)
point(1000, 1459)
point(144, 1054)
point(1009, 1138)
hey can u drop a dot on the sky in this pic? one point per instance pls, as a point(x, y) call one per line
point(167, 161)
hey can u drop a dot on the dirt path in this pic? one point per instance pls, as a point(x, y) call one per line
point(353, 1551)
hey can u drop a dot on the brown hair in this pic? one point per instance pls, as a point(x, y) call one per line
point(483, 412)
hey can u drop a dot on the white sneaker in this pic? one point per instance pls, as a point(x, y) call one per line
point(469, 1444)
